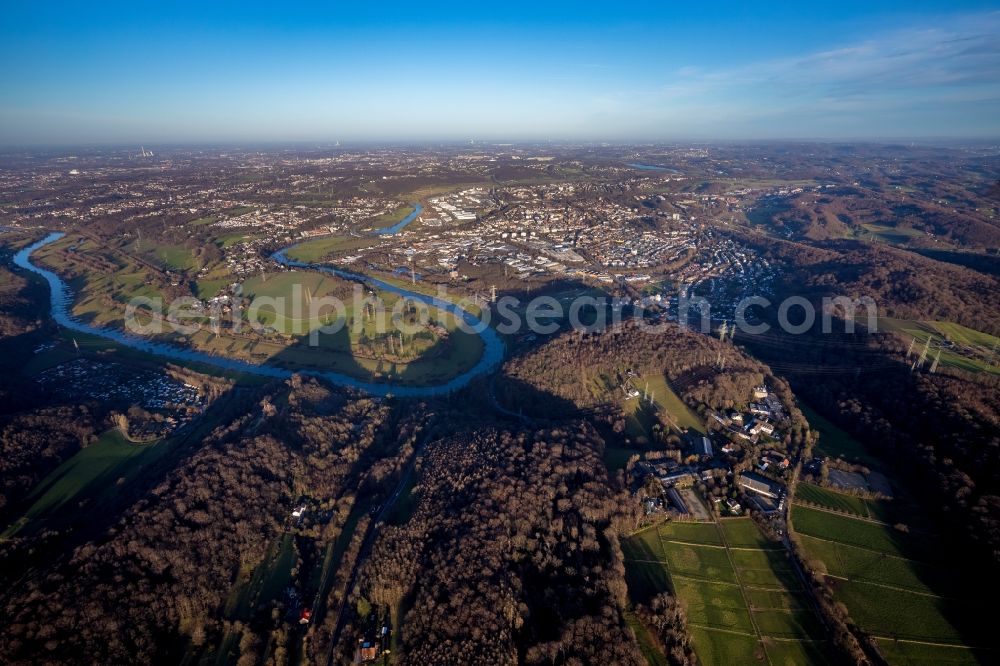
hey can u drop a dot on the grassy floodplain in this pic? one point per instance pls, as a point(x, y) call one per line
point(100, 300)
point(321, 248)
point(340, 351)
point(743, 602)
point(393, 217)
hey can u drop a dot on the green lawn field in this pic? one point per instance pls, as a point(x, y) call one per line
point(737, 589)
point(853, 563)
point(897, 587)
point(845, 529)
point(720, 647)
point(796, 653)
point(829, 499)
point(899, 614)
point(171, 257)
point(93, 470)
point(918, 654)
point(965, 348)
point(740, 532)
point(670, 402)
point(707, 562)
point(697, 533)
point(320, 248)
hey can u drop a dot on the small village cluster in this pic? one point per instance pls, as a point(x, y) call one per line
point(742, 456)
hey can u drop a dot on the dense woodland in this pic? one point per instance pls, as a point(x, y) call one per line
point(583, 372)
point(33, 443)
point(514, 541)
point(840, 212)
point(904, 284)
point(153, 586)
point(22, 316)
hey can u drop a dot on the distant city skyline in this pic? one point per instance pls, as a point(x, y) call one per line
point(94, 74)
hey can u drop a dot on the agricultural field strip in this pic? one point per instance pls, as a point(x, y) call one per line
point(893, 587)
point(744, 587)
point(856, 547)
point(849, 503)
point(743, 592)
point(715, 581)
point(917, 641)
point(712, 545)
point(845, 514)
point(775, 638)
point(866, 581)
point(740, 584)
point(725, 631)
point(926, 594)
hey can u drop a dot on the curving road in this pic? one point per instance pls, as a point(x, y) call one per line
point(493, 347)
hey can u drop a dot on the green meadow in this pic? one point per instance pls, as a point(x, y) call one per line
point(96, 469)
point(901, 588)
point(742, 600)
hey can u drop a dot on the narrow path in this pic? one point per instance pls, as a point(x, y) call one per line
point(958, 646)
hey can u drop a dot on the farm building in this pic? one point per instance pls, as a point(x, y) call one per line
point(677, 500)
point(760, 485)
point(679, 478)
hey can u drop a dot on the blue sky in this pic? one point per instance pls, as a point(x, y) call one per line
point(126, 73)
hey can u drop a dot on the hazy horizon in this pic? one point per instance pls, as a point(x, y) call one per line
point(83, 75)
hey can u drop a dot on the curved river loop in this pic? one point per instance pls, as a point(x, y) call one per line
point(493, 346)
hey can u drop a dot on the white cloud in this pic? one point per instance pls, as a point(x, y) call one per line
point(954, 63)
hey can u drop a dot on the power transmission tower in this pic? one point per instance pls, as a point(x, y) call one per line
point(937, 359)
point(927, 347)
